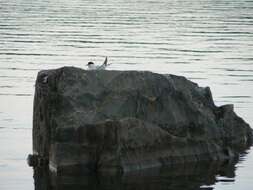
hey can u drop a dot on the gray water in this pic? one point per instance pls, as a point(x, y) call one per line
point(208, 41)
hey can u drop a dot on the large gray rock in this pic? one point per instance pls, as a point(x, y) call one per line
point(120, 121)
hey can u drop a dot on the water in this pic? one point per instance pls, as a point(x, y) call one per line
point(208, 41)
point(199, 176)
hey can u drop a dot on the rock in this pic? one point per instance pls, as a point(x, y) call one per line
point(35, 160)
point(122, 121)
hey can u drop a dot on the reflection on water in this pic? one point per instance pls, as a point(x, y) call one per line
point(190, 177)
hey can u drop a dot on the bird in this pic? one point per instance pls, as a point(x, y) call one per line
point(92, 66)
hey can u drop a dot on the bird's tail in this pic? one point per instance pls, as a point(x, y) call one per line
point(105, 61)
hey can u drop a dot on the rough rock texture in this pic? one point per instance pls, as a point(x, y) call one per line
point(120, 121)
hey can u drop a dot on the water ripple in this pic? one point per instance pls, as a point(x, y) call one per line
point(210, 42)
point(18, 94)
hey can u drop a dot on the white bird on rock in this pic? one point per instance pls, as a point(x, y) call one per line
point(92, 66)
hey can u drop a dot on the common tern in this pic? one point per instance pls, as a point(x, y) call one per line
point(92, 66)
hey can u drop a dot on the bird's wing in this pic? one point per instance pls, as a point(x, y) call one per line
point(103, 66)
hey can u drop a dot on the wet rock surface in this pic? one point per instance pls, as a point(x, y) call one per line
point(122, 121)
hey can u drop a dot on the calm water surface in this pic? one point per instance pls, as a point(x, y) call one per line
point(208, 41)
